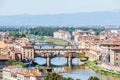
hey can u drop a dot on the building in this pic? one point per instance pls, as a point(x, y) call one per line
point(61, 34)
point(19, 73)
point(22, 49)
point(80, 34)
point(94, 55)
point(16, 48)
point(4, 47)
point(76, 34)
point(108, 34)
point(109, 48)
point(115, 56)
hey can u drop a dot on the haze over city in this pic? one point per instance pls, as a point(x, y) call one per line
point(14, 7)
point(59, 12)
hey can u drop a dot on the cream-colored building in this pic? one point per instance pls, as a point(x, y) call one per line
point(108, 51)
point(94, 55)
point(61, 34)
point(22, 49)
point(115, 56)
point(79, 34)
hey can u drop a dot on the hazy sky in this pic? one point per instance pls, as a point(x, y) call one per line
point(13, 7)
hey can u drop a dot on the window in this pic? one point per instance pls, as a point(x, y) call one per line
point(28, 54)
point(117, 64)
point(116, 54)
point(116, 58)
point(24, 56)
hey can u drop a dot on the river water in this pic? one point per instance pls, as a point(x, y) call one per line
point(75, 71)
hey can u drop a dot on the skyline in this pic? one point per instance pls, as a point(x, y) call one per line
point(47, 7)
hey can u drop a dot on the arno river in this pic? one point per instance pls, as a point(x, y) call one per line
point(59, 64)
point(75, 71)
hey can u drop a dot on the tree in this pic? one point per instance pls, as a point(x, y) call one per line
point(13, 62)
point(93, 78)
point(37, 66)
point(17, 34)
point(54, 76)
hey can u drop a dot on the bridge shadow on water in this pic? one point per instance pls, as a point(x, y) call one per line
point(56, 61)
point(65, 68)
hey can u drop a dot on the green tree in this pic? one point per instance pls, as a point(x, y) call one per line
point(54, 76)
point(93, 78)
point(13, 62)
point(17, 34)
point(37, 66)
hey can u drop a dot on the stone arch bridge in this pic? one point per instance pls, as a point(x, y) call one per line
point(68, 53)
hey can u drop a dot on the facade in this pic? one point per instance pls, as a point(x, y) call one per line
point(110, 52)
point(80, 34)
point(17, 48)
point(22, 49)
point(4, 47)
point(19, 73)
point(115, 56)
point(61, 34)
point(94, 55)
point(110, 47)
point(88, 40)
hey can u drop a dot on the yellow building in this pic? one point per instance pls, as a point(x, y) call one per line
point(27, 51)
point(22, 49)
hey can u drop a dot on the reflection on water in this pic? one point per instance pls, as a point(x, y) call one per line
point(75, 71)
point(80, 74)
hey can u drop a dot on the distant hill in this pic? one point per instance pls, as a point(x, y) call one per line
point(63, 19)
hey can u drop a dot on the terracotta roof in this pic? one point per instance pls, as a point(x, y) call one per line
point(96, 37)
point(35, 73)
point(22, 71)
point(113, 78)
point(2, 44)
point(62, 31)
point(4, 57)
point(9, 67)
point(77, 32)
point(29, 72)
point(110, 43)
point(116, 48)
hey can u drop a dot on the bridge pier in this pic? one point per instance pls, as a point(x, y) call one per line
point(40, 47)
point(53, 46)
point(69, 60)
point(65, 46)
point(48, 61)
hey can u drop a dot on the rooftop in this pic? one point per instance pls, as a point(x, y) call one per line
point(116, 48)
point(4, 57)
point(14, 70)
point(62, 31)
